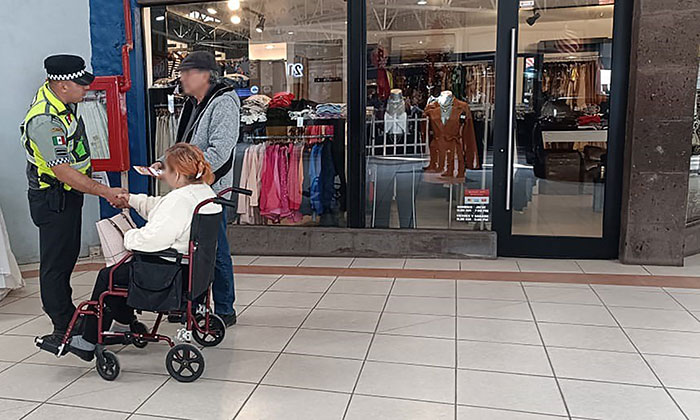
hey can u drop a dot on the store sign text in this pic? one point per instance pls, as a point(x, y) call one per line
point(295, 70)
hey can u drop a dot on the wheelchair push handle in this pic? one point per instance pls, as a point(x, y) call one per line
point(235, 190)
point(225, 202)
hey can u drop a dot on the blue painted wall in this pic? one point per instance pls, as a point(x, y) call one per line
point(107, 34)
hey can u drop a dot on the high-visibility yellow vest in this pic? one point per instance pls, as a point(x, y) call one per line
point(46, 103)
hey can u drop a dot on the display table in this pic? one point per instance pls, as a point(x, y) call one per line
point(10, 276)
point(574, 136)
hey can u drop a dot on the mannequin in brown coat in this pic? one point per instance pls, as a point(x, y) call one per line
point(453, 138)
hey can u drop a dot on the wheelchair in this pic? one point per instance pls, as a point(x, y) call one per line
point(184, 361)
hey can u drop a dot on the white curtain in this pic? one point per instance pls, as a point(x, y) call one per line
point(10, 276)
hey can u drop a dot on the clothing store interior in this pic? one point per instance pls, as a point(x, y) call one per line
point(430, 99)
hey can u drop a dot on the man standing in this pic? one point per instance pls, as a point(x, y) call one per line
point(58, 173)
point(210, 121)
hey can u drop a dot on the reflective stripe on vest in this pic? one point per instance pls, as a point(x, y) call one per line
point(45, 102)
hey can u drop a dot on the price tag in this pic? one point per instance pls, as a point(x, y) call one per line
point(171, 104)
point(300, 121)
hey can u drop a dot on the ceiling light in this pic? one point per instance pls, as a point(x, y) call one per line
point(269, 46)
point(290, 33)
point(235, 19)
point(234, 4)
point(260, 27)
point(422, 2)
point(160, 18)
point(211, 11)
point(532, 19)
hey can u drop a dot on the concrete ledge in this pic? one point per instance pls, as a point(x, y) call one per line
point(692, 239)
point(372, 243)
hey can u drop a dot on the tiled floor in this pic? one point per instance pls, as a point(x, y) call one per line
point(342, 347)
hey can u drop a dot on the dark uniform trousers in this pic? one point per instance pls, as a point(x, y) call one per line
point(59, 247)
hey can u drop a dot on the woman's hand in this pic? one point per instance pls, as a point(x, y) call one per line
point(124, 197)
point(158, 166)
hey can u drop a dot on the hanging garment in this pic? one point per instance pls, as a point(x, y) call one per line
point(315, 175)
point(453, 139)
point(94, 114)
point(250, 179)
point(295, 179)
point(327, 177)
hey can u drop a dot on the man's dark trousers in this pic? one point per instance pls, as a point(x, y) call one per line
point(59, 247)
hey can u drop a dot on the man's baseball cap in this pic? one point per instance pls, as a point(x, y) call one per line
point(201, 60)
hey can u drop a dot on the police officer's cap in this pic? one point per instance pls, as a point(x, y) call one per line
point(67, 67)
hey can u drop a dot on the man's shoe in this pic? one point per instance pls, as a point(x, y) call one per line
point(229, 319)
point(175, 318)
point(83, 353)
point(52, 342)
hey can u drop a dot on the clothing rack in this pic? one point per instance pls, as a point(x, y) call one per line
point(303, 137)
point(440, 63)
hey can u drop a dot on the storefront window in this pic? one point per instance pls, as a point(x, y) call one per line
point(286, 61)
point(564, 70)
point(430, 97)
point(693, 213)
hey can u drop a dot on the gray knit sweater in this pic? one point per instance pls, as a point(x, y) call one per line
point(216, 134)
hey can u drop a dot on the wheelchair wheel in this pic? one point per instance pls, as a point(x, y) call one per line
point(107, 365)
point(185, 363)
point(217, 330)
point(139, 328)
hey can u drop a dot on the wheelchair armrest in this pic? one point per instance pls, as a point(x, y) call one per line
point(167, 253)
point(224, 202)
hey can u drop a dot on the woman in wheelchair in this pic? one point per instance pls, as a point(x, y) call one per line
point(168, 226)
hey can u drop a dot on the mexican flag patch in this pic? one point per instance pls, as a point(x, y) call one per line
point(59, 140)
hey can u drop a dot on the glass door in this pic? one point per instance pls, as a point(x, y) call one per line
point(558, 149)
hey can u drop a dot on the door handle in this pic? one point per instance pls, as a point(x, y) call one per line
point(511, 111)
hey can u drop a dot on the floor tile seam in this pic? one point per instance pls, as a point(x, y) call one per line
point(662, 329)
point(456, 344)
point(393, 397)
point(580, 324)
point(157, 416)
point(369, 348)
point(549, 358)
point(109, 410)
point(639, 352)
point(33, 317)
point(158, 388)
point(57, 392)
point(681, 305)
point(269, 368)
point(510, 410)
point(261, 293)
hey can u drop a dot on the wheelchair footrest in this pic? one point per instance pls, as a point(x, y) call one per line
point(56, 349)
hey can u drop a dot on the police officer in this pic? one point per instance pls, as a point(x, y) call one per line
point(58, 172)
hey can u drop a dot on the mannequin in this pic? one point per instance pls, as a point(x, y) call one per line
point(453, 129)
point(395, 115)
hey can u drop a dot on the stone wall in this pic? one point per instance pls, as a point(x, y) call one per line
point(663, 75)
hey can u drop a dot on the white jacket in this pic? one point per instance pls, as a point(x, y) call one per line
point(169, 218)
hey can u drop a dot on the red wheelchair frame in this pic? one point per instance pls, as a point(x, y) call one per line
point(185, 354)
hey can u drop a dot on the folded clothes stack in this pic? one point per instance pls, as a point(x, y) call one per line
point(331, 110)
point(281, 100)
point(278, 117)
point(254, 109)
point(303, 114)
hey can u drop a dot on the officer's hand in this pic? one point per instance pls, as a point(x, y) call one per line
point(116, 198)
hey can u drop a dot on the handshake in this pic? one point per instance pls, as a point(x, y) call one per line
point(117, 197)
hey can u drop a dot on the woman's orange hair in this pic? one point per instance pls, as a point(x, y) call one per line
point(188, 161)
